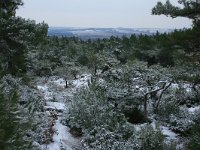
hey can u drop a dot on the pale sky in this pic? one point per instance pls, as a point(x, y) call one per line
point(99, 13)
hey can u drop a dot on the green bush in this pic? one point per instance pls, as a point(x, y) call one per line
point(83, 60)
point(20, 124)
point(194, 143)
point(167, 108)
point(152, 139)
point(101, 124)
point(134, 115)
point(91, 108)
point(12, 128)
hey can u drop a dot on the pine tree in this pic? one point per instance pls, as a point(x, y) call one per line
point(8, 8)
point(188, 39)
point(16, 35)
point(191, 10)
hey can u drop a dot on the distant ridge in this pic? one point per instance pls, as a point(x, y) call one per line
point(94, 33)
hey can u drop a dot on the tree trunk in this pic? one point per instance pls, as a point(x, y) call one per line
point(145, 106)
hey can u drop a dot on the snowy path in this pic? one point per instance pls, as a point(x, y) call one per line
point(57, 97)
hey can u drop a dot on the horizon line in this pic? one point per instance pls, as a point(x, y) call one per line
point(117, 27)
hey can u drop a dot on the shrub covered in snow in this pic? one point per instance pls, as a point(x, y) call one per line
point(20, 124)
point(194, 143)
point(181, 122)
point(167, 108)
point(91, 108)
point(102, 125)
point(151, 138)
point(105, 127)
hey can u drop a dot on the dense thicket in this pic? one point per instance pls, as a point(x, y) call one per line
point(136, 79)
point(17, 37)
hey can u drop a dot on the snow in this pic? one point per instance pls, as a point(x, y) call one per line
point(187, 87)
point(138, 127)
point(55, 105)
point(45, 90)
point(54, 89)
point(170, 135)
point(83, 81)
point(62, 138)
point(60, 82)
point(174, 86)
point(42, 88)
point(193, 109)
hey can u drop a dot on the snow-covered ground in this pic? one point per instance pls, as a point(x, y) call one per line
point(169, 134)
point(57, 98)
point(192, 110)
point(62, 139)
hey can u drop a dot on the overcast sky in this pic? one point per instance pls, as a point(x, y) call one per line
point(99, 13)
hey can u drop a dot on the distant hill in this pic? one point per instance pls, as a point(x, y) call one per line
point(94, 33)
